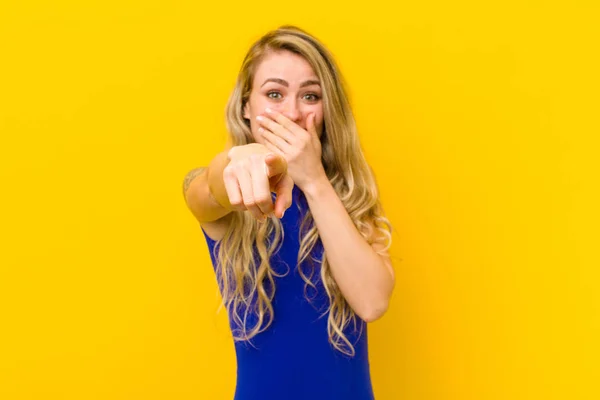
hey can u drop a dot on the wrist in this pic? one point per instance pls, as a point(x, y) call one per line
point(216, 185)
point(317, 187)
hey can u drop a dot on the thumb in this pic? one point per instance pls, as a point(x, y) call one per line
point(310, 125)
point(275, 165)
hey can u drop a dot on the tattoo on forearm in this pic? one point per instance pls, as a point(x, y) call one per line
point(190, 177)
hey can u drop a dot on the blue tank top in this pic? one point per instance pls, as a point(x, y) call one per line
point(293, 359)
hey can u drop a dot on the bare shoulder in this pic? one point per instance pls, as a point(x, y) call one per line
point(216, 229)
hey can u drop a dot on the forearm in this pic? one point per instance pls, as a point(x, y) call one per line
point(204, 190)
point(360, 273)
point(216, 185)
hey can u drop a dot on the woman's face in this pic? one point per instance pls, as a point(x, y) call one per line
point(285, 82)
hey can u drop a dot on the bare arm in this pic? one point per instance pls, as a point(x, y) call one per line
point(365, 278)
point(187, 181)
point(204, 190)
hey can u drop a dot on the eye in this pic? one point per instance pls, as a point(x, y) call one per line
point(311, 97)
point(273, 95)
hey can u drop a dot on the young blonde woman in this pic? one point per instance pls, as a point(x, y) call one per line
point(299, 288)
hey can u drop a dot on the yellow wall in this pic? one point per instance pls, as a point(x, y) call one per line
point(480, 120)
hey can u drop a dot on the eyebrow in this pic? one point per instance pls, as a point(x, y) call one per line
point(286, 84)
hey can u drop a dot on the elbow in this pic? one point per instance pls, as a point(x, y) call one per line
point(372, 312)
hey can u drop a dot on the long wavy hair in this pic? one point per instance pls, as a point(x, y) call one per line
point(244, 273)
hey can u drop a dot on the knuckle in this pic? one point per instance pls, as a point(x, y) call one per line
point(231, 153)
point(256, 158)
point(263, 200)
point(228, 171)
point(235, 202)
point(239, 167)
point(238, 206)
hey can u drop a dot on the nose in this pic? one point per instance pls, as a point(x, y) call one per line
point(291, 110)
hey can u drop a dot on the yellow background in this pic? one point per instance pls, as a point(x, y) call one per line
point(479, 118)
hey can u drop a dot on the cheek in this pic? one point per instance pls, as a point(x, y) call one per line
point(255, 134)
point(252, 109)
point(255, 106)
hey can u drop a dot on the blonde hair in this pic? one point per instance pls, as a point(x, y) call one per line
point(247, 283)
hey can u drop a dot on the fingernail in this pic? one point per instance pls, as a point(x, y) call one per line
point(268, 110)
point(259, 118)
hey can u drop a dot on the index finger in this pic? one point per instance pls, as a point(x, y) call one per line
point(283, 190)
point(284, 121)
